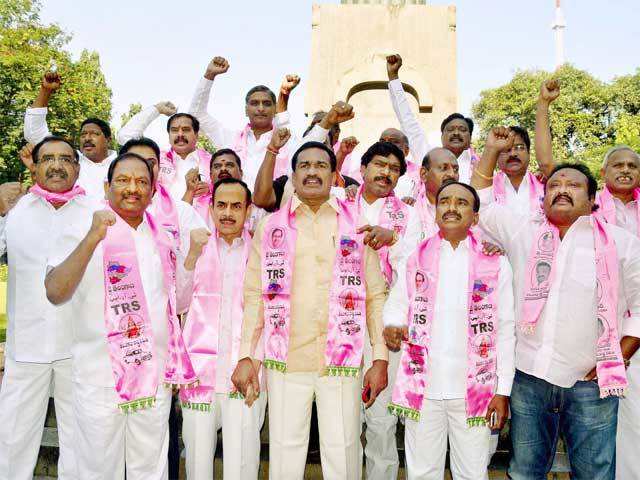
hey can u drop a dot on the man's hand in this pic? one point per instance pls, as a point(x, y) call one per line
point(393, 337)
point(549, 91)
point(347, 146)
point(350, 192)
point(26, 157)
point(394, 62)
point(198, 238)
point(491, 249)
point(288, 84)
point(217, 66)
point(377, 237)
point(245, 379)
point(166, 108)
point(102, 220)
point(10, 193)
point(50, 82)
point(339, 113)
point(375, 380)
point(195, 186)
point(500, 405)
point(500, 139)
point(279, 138)
point(409, 200)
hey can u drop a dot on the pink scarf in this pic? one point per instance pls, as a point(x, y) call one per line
point(393, 216)
point(241, 148)
point(201, 332)
point(167, 168)
point(427, 215)
point(607, 210)
point(422, 285)
point(128, 325)
point(536, 191)
point(347, 311)
point(612, 378)
point(57, 197)
point(166, 212)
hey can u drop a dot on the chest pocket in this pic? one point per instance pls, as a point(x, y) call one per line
point(582, 269)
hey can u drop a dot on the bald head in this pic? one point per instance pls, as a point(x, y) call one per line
point(438, 166)
point(395, 136)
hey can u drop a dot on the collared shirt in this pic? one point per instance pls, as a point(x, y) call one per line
point(188, 219)
point(92, 174)
point(312, 278)
point(86, 310)
point(36, 331)
point(518, 200)
point(627, 215)
point(447, 362)
point(562, 349)
point(418, 143)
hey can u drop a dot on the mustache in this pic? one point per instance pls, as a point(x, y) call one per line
point(562, 195)
point(456, 136)
point(387, 180)
point(57, 171)
point(456, 215)
point(513, 157)
point(88, 143)
point(227, 219)
point(179, 138)
point(311, 177)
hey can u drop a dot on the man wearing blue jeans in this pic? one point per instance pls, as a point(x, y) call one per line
point(570, 325)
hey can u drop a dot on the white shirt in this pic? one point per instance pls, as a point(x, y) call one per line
point(188, 219)
point(92, 174)
point(418, 143)
point(562, 349)
point(36, 331)
point(518, 200)
point(85, 311)
point(626, 215)
point(447, 362)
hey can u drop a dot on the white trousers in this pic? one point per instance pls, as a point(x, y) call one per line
point(240, 438)
point(628, 438)
point(106, 438)
point(425, 443)
point(338, 404)
point(381, 451)
point(24, 398)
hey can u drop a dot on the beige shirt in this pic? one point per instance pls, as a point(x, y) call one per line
point(313, 267)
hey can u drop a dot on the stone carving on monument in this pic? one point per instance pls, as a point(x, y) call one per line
point(349, 45)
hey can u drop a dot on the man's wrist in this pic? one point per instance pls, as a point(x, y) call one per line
point(393, 76)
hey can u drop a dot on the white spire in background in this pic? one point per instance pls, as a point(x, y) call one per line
point(558, 27)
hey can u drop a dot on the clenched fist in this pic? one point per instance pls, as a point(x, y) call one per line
point(394, 62)
point(217, 66)
point(26, 157)
point(279, 138)
point(289, 83)
point(549, 91)
point(50, 81)
point(348, 145)
point(10, 193)
point(500, 139)
point(198, 238)
point(195, 186)
point(102, 220)
point(339, 113)
point(166, 108)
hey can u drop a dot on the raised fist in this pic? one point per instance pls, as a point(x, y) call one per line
point(348, 145)
point(394, 62)
point(166, 108)
point(549, 90)
point(10, 193)
point(102, 220)
point(279, 138)
point(26, 157)
point(51, 81)
point(198, 238)
point(289, 83)
point(339, 113)
point(217, 66)
point(195, 186)
point(500, 139)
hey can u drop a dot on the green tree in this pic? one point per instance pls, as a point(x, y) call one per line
point(27, 49)
point(134, 109)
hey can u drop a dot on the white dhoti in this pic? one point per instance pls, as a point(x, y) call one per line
point(628, 437)
point(106, 438)
point(425, 443)
point(24, 398)
point(240, 438)
point(338, 404)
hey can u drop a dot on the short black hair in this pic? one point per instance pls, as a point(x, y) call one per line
point(476, 198)
point(319, 145)
point(127, 156)
point(140, 142)
point(49, 139)
point(384, 149)
point(592, 183)
point(456, 116)
point(102, 125)
point(226, 151)
point(260, 88)
point(426, 161)
point(232, 181)
point(523, 134)
point(195, 124)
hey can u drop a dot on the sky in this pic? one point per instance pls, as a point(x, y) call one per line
point(154, 50)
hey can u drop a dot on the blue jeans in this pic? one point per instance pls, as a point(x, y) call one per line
point(540, 410)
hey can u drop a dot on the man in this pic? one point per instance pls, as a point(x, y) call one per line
point(38, 337)
point(456, 129)
point(457, 364)
point(307, 301)
point(264, 114)
point(184, 168)
point(95, 138)
point(118, 275)
point(217, 264)
point(597, 266)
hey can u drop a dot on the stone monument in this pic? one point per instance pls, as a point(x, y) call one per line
point(349, 45)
